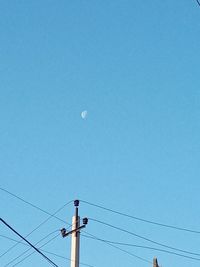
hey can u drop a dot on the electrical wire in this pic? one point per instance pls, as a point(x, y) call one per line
point(140, 246)
point(141, 219)
point(198, 2)
point(42, 223)
point(118, 248)
point(34, 251)
point(38, 208)
point(144, 238)
point(33, 205)
point(46, 251)
point(34, 245)
point(62, 257)
point(23, 253)
point(44, 256)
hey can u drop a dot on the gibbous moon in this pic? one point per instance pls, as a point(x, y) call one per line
point(84, 114)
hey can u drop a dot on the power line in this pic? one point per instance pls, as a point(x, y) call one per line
point(144, 238)
point(33, 205)
point(46, 251)
point(140, 246)
point(34, 251)
point(141, 219)
point(198, 2)
point(52, 215)
point(65, 258)
point(29, 248)
point(123, 250)
point(42, 223)
point(34, 245)
point(44, 256)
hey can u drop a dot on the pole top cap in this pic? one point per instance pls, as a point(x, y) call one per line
point(76, 203)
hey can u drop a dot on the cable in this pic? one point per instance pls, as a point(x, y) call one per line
point(34, 251)
point(144, 238)
point(144, 247)
point(33, 205)
point(198, 2)
point(12, 239)
point(29, 248)
point(46, 251)
point(49, 253)
point(52, 215)
point(123, 250)
point(44, 256)
point(42, 210)
point(141, 219)
point(62, 257)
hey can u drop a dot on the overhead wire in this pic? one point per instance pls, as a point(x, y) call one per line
point(36, 249)
point(36, 207)
point(30, 247)
point(40, 209)
point(33, 205)
point(65, 258)
point(141, 219)
point(198, 2)
point(140, 246)
point(36, 228)
point(122, 250)
point(23, 253)
point(143, 238)
point(46, 251)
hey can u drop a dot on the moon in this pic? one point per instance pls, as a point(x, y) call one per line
point(84, 114)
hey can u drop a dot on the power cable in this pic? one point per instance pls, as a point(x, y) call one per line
point(34, 251)
point(33, 205)
point(62, 257)
point(198, 2)
point(46, 251)
point(141, 219)
point(42, 223)
point(36, 207)
point(44, 256)
point(144, 238)
point(29, 248)
point(123, 250)
point(140, 246)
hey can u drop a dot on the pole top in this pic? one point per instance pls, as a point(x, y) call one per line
point(76, 203)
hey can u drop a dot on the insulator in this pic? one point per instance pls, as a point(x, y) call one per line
point(85, 221)
point(76, 203)
point(63, 232)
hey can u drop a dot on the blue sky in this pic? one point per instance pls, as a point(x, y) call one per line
point(134, 66)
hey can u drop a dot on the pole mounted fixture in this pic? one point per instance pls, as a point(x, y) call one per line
point(64, 232)
point(76, 203)
point(75, 235)
point(85, 221)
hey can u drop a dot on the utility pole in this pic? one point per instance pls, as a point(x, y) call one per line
point(155, 262)
point(75, 235)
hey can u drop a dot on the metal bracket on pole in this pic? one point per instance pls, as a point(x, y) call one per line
point(64, 232)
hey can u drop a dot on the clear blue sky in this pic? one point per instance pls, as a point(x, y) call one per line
point(134, 66)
